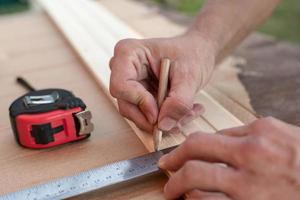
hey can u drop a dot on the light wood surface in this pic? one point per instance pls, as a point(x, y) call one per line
point(41, 54)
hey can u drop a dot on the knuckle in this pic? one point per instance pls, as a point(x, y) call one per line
point(239, 185)
point(179, 101)
point(112, 63)
point(113, 88)
point(252, 148)
point(248, 146)
point(122, 111)
point(263, 123)
point(246, 151)
point(188, 170)
point(193, 136)
point(190, 141)
point(116, 88)
point(226, 181)
point(124, 46)
point(268, 120)
point(176, 106)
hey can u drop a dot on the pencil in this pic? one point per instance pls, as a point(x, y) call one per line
point(161, 95)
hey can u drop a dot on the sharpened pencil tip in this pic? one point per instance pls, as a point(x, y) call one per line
point(157, 137)
point(156, 148)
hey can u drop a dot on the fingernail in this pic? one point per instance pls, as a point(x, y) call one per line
point(167, 124)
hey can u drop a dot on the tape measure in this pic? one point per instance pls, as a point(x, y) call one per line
point(50, 117)
point(91, 180)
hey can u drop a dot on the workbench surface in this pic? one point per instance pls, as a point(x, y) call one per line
point(32, 46)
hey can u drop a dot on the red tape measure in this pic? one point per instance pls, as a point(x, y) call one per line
point(50, 117)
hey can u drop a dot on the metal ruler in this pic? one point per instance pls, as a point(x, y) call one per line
point(91, 180)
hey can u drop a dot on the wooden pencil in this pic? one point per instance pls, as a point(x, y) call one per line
point(162, 93)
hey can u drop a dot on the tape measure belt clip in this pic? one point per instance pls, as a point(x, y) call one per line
point(41, 99)
point(47, 118)
point(84, 121)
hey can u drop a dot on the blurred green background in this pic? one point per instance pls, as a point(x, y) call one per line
point(284, 23)
point(13, 6)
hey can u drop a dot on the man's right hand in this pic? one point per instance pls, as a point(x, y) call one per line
point(135, 70)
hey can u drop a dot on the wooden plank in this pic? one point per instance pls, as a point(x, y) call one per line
point(236, 108)
point(88, 26)
point(218, 117)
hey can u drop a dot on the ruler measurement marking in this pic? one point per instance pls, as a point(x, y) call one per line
point(91, 180)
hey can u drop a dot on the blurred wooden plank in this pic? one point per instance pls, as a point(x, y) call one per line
point(241, 111)
point(217, 116)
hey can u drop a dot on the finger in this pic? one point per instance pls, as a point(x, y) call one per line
point(211, 197)
point(199, 175)
point(179, 101)
point(133, 113)
point(202, 146)
point(175, 130)
point(197, 110)
point(198, 194)
point(236, 131)
point(214, 197)
point(125, 85)
point(194, 113)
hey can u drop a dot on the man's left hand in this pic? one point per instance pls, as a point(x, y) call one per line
point(259, 161)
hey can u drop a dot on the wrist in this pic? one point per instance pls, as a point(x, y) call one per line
point(202, 41)
point(202, 53)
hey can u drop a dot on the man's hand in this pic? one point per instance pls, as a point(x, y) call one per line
point(135, 68)
point(262, 163)
point(135, 65)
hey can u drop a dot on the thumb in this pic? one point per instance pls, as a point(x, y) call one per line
point(179, 102)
